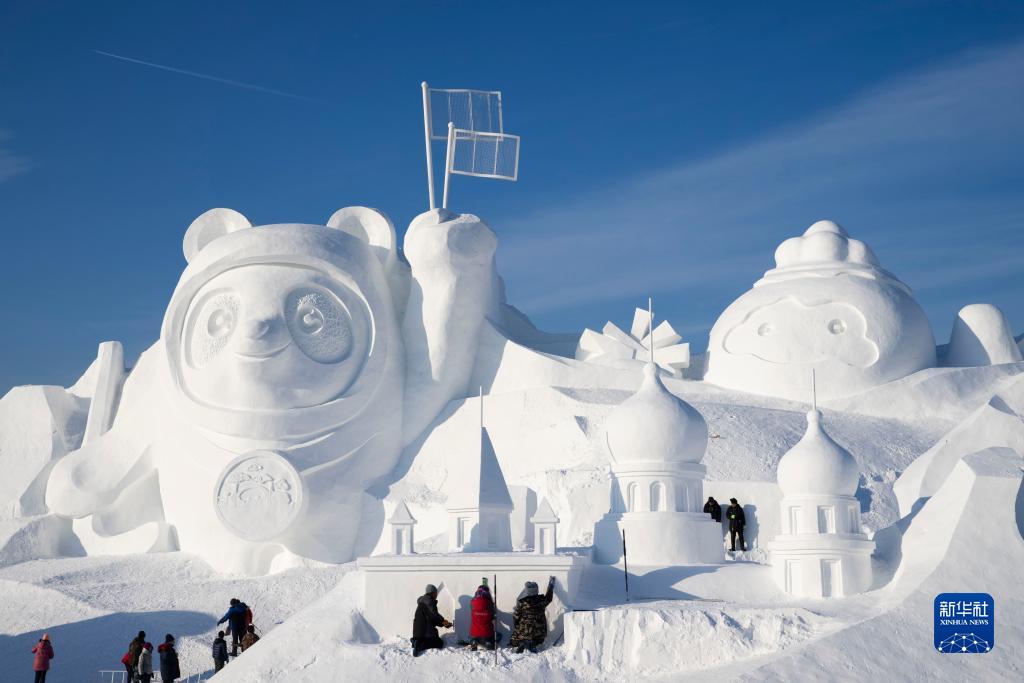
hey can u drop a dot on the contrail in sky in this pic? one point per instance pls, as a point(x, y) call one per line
point(237, 84)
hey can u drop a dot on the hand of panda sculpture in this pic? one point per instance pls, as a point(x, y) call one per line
point(283, 385)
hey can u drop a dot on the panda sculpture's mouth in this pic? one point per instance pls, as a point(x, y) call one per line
point(261, 355)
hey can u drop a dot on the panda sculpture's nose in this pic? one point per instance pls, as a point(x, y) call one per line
point(256, 329)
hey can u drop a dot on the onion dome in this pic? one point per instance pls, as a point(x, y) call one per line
point(653, 425)
point(817, 465)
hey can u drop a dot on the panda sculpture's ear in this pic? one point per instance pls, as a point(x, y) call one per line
point(208, 227)
point(369, 225)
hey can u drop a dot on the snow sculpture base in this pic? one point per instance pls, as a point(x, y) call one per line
point(816, 566)
point(659, 539)
point(394, 582)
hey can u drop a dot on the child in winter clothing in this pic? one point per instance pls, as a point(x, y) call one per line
point(169, 667)
point(43, 652)
point(144, 669)
point(530, 623)
point(481, 626)
point(220, 651)
point(250, 637)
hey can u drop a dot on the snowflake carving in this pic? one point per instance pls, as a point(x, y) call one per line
point(612, 346)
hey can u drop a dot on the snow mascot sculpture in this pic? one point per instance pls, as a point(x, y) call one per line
point(283, 387)
point(828, 305)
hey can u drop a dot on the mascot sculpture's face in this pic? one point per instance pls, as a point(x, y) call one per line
point(272, 336)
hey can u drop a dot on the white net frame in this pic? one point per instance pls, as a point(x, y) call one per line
point(473, 110)
point(485, 155)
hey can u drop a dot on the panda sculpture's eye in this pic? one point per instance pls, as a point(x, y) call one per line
point(310, 318)
point(836, 326)
point(212, 326)
point(319, 324)
point(220, 323)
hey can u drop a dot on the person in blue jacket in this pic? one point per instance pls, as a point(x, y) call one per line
point(236, 616)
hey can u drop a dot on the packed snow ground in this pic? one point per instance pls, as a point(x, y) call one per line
point(93, 606)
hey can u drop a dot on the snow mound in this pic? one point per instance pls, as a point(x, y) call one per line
point(38, 425)
point(307, 642)
point(981, 336)
point(661, 638)
point(997, 423)
point(34, 538)
point(943, 550)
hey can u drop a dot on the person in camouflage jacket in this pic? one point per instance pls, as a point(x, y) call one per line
point(529, 620)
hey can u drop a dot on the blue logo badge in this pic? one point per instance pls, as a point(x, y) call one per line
point(964, 623)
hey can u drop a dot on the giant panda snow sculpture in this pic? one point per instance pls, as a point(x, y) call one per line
point(278, 392)
point(827, 305)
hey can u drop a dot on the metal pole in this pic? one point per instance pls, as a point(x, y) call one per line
point(625, 564)
point(448, 163)
point(814, 392)
point(426, 139)
point(495, 620)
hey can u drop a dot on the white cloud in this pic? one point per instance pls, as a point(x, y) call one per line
point(900, 166)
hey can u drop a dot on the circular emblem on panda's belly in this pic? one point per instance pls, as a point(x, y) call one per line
point(259, 496)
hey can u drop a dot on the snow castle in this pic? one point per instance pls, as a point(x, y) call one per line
point(657, 441)
point(821, 552)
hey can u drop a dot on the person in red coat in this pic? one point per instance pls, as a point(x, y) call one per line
point(481, 625)
point(44, 653)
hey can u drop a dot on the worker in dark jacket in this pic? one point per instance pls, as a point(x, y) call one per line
point(713, 508)
point(426, 621)
point(529, 620)
point(169, 667)
point(737, 520)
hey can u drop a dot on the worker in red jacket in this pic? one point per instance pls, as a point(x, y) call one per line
point(481, 626)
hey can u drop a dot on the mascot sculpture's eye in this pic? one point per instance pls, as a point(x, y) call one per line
point(319, 324)
point(212, 327)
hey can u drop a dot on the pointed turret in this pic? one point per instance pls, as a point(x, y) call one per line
point(479, 504)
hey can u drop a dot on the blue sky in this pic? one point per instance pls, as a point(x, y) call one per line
point(667, 148)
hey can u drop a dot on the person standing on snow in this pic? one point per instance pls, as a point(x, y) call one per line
point(169, 667)
point(529, 620)
point(737, 520)
point(713, 508)
point(237, 618)
point(250, 637)
point(144, 669)
point(220, 651)
point(131, 660)
point(426, 621)
point(43, 652)
point(481, 625)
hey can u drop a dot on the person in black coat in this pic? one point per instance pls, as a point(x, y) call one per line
point(426, 621)
point(169, 668)
point(713, 508)
point(737, 520)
